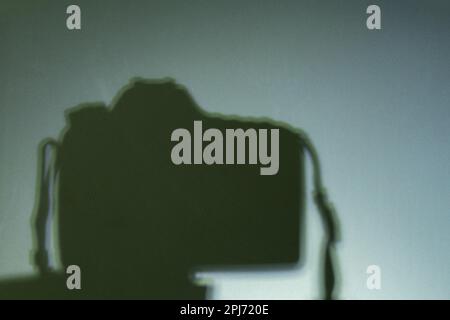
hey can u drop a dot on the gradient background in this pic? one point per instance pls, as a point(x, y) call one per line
point(376, 104)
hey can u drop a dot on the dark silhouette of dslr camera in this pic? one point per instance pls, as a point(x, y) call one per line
point(139, 225)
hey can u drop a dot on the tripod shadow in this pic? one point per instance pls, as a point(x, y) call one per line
point(139, 226)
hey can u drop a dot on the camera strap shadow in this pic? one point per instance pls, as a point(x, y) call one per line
point(329, 222)
point(45, 202)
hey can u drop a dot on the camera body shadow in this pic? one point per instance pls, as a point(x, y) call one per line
point(139, 226)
